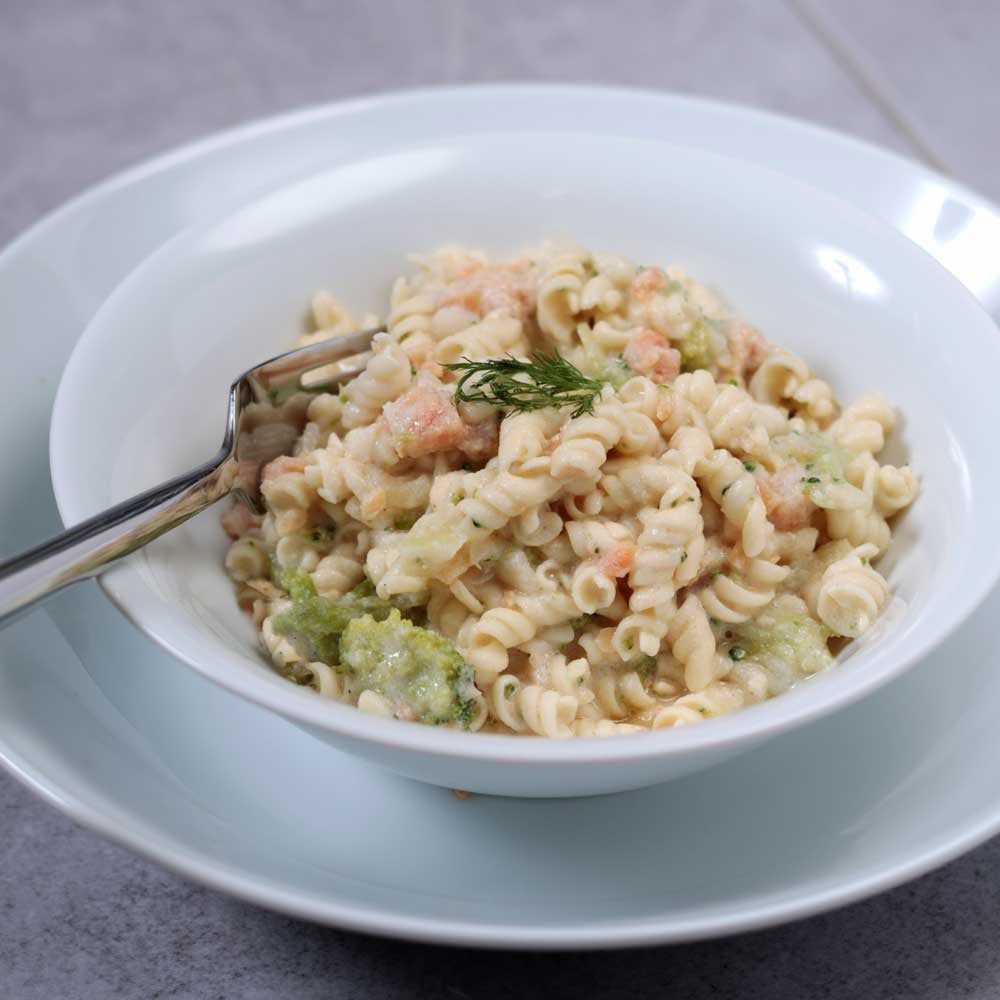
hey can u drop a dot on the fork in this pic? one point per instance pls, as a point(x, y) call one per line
point(265, 416)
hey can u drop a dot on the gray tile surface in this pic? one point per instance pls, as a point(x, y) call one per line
point(86, 89)
point(83, 918)
point(935, 59)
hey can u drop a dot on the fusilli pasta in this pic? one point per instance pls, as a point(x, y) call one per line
point(674, 527)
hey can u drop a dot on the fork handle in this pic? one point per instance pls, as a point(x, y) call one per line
point(90, 546)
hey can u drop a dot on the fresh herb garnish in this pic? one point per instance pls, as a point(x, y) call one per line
point(737, 653)
point(545, 380)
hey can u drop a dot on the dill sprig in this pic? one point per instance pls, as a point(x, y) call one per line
point(545, 380)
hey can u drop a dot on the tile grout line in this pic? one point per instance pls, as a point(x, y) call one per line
point(868, 78)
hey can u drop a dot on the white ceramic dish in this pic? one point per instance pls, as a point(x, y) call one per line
point(864, 305)
point(89, 710)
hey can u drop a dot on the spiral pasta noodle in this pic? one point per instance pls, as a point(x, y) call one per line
point(410, 312)
point(501, 629)
point(560, 293)
point(385, 377)
point(732, 418)
point(583, 444)
point(488, 338)
point(738, 599)
point(851, 593)
point(669, 554)
point(529, 707)
point(745, 685)
point(732, 487)
point(692, 643)
point(619, 693)
point(863, 426)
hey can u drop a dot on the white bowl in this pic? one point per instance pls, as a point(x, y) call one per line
point(143, 398)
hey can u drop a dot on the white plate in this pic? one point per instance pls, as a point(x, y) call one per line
point(129, 742)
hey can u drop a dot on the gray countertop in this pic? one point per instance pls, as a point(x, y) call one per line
point(87, 88)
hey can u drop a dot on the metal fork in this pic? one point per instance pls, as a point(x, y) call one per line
point(266, 413)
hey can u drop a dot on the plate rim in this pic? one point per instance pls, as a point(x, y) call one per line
point(197, 865)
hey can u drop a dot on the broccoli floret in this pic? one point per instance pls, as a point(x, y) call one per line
point(316, 624)
point(790, 637)
point(420, 672)
point(696, 348)
point(295, 581)
point(824, 480)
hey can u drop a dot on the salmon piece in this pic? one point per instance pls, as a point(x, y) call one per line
point(617, 561)
point(423, 421)
point(490, 288)
point(788, 506)
point(749, 347)
point(482, 439)
point(647, 283)
point(649, 353)
point(281, 465)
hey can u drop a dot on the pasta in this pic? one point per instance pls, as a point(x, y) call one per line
point(531, 707)
point(566, 497)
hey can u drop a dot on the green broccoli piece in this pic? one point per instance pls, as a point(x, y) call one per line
point(696, 348)
point(789, 637)
point(420, 672)
point(316, 624)
point(824, 464)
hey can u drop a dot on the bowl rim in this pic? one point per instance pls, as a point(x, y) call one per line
point(764, 721)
